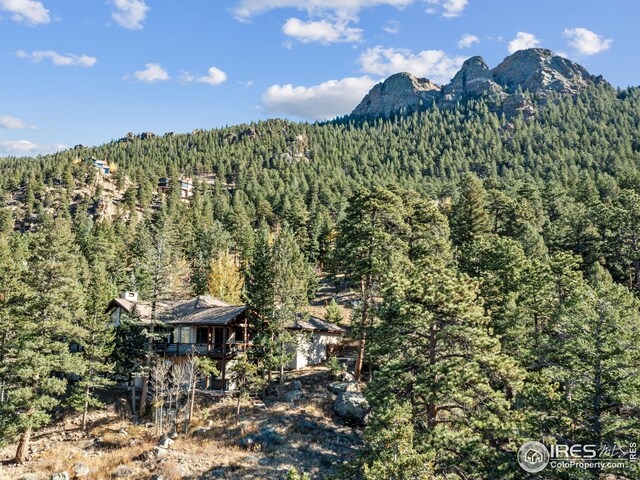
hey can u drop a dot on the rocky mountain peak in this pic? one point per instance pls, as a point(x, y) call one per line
point(537, 70)
point(399, 93)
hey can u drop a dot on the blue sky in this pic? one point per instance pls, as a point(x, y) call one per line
point(88, 71)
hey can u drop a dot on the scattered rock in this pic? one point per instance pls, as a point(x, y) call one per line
point(60, 476)
point(306, 426)
point(81, 470)
point(29, 476)
point(157, 477)
point(293, 396)
point(201, 431)
point(296, 385)
point(172, 435)
point(247, 442)
point(251, 459)
point(351, 406)
point(165, 442)
point(123, 471)
point(346, 377)
point(160, 452)
point(265, 439)
point(264, 461)
point(339, 387)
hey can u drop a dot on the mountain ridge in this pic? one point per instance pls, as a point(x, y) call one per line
point(536, 70)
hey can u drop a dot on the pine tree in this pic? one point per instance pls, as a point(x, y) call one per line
point(276, 289)
point(333, 313)
point(469, 217)
point(370, 244)
point(435, 352)
point(47, 327)
point(96, 341)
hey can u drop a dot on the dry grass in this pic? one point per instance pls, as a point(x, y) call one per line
point(213, 453)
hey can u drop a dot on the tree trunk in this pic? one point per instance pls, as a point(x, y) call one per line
point(133, 399)
point(191, 402)
point(281, 383)
point(85, 413)
point(22, 453)
point(143, 395)
point(357, 371)
point(238, 409)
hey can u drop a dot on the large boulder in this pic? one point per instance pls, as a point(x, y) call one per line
point(266, 439)
point(351, 406)
point(293, 396)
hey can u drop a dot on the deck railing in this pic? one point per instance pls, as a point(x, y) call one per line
point(232, 349)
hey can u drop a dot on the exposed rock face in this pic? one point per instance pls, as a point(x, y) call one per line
point(536, 70)
point(399, 93)
point(473, 80)
point(539, 69)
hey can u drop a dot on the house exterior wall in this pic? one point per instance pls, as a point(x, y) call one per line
point(312, 349)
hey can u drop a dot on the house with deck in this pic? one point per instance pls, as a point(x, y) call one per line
point(209, 327)
point(186, 187)
point(101, 165)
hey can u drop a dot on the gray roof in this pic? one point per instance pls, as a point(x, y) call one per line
point(208, 316)
point(202, 310)
point(315, 324)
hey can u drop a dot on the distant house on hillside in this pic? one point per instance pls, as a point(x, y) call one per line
point(101, 165)
point(209, 327)
point(186, 188)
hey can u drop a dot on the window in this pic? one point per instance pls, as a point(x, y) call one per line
point(181, 335)
point(219, 337)
point(202, 335)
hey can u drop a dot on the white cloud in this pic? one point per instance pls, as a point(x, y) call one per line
point(58, 59)
point(9, 122)
point(342, 8)
point(393, 27)
point(322, 31)
point(214, 77)
point(433, 64)
point(587, 42)
point(522, 41)
point(450, 8)
point(30, 12)
point(153, 73)
point(129, 13)
point(26, 147)
point(318, 102)
point(467, 40)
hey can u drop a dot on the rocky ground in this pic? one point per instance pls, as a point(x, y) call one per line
point(305, 433)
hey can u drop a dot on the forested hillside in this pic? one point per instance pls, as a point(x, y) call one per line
point(497, 263)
